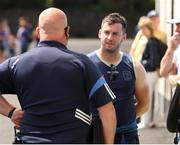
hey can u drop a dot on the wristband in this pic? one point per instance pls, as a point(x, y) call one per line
point(11, 112)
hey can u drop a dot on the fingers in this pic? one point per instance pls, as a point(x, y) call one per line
point(174, 41)
point(17, 117)
point(17, 126)
point(176, 38)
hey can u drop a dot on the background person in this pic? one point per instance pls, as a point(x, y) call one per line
point(151, 62)
point(158, 33)
point(140, 41)
point(138, 45)
point(24, 34)
point(170, 63)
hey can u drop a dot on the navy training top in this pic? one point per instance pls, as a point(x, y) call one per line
point(123, 86)
point(54, 86)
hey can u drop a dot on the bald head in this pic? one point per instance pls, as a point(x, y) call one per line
point(52, 22)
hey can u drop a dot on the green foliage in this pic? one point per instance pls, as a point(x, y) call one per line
point(24, 4)
point(84, 15)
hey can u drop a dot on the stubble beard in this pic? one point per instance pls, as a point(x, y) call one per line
point(112, 50)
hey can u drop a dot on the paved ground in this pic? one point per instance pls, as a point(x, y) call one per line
point(147, 136)
point(158, 135)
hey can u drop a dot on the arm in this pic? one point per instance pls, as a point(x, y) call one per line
point(108, 118)
point(101, 98)
point(141, 90)
point(167, 64)
point(5, 107)
point(7, 87)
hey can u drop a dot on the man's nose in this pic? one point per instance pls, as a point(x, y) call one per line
point(177, 29)
point(110, 36)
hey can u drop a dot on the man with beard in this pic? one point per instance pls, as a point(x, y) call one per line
point(126, 78)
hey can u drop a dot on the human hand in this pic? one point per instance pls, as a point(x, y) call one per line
point(17, 117)
point(174, 41)
point(173, 79)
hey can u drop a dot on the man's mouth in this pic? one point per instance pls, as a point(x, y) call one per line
point(109, 44)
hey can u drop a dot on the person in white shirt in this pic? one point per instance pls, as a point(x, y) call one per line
point(170, 63)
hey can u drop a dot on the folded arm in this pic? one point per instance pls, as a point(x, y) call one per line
point(167, 63)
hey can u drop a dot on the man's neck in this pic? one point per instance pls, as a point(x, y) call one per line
point(111, 58)
point(54, 37)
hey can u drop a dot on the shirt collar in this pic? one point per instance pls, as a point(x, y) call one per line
point(106, 62)
point(49, 43)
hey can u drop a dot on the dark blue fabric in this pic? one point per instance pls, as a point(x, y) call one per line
point(151, 57)
point(51, 83)
point(97, 85)
point(127, 127)
point(123, 86)
point(127, 138)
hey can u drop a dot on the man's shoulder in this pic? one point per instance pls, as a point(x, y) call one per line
point(82, 59)
point(126, 55)
point(79, 56)
point(92, 54)
point(127, 59)
point(94, 57)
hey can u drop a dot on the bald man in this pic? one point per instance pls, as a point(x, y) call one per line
point(55, 87)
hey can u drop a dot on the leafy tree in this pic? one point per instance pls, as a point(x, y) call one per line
point(24, 4)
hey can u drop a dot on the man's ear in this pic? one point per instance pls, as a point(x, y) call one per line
point(99, 34)
point(67, 31)
point(38, 31)
point(124, 36)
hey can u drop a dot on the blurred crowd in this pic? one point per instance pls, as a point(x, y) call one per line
point(10, 44)
point(148, 47)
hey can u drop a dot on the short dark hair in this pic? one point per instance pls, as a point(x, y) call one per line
point(113, 18)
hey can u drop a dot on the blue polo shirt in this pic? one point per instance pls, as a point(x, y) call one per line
point(54, 86)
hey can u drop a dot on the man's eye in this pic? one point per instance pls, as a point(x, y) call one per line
point(115, 34)
point(106, 32)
